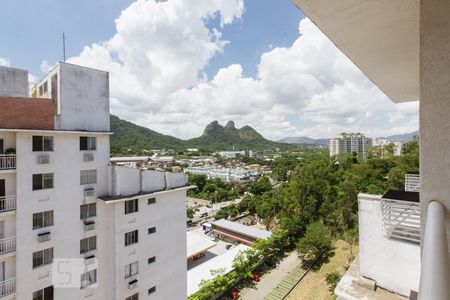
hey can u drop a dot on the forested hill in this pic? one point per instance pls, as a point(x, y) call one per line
point(215, 137)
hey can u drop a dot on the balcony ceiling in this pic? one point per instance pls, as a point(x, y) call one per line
point(381, 37)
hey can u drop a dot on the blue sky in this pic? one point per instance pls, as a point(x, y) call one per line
point(35, 34)
point(177, 65)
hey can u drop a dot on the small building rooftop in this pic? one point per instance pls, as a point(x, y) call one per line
point(197, 244)
point(203, 271)
point(242, 229)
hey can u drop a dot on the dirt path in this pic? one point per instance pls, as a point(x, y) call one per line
point(271, 279)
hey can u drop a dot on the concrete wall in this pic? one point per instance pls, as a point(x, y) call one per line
point(153, 181)
point(435, 106)
point(65, 199)
point(13, 82)
point(127, 180)
point(84, 99)
point(393, 264)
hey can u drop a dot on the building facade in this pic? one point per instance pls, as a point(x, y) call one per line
point(350, 143)
point(62, 200)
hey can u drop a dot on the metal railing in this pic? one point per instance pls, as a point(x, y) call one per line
point(401, 219)
point(7, 161)
point(7, 203)
point(7, 287)
point(7, 245)
point(435, 264)
point(412, 182)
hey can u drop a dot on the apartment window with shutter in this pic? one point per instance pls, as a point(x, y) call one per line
point(44, 294)
point(133, 297)
point(88, 210)
point(88, 278)
point(131, 238)
point(42, 258)
point(151, 230)
point(151, 201)
point(42, 143)
point(151, 260)
point(88, 177)
point(42, 181)
point(43, 219)
point(131, 206)
point(88, 244)
point(88, 143)
point(131, 269)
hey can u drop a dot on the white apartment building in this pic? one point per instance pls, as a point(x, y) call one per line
point(226, 174)
point(350, 143)
point(382, 143)
point(62, 199)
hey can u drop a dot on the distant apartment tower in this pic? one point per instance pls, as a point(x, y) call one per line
point(382, 143)
point(350, 143)
point(61, 198)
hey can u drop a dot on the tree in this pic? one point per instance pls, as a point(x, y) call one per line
point(190, 212)
point(332, 280)
point(260, 186)
point(315, 247)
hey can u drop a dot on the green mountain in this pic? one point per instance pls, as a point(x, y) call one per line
point(127, 135)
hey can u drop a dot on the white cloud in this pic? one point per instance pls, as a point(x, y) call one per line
point(4, 62)
point(156, 59)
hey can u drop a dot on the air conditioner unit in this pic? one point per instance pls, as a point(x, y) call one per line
point(89, 225)
point(89, 260)
point(43, 237)
point(90, 192)
point(43, 159)
point(132, 284)
point(88, 157)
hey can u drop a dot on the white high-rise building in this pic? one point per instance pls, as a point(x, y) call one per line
point(64, 206)
point(350, 143)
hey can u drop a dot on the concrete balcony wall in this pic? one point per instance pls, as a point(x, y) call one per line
point(174, 180)
point(13, 82)
point(127, 181)
point(393, 264)
point(153, 181)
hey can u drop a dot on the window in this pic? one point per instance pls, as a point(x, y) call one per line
point(151, 260)
point(88, 210)
point(88, 143)
point(131, 269)
point(151, 230)
point(152, 290)
point(131, 206)
point(42, 258)
point(43, 219)
point(88, 278)
point(131, 237)
point(44, 294)
point(151, 201)
point(88, 244)
point(42, 181)
point(42, 143)
point(133, 297)
point(88, 177)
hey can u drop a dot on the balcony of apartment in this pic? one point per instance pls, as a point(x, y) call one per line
point(7, 163)
point(7, 204)
point(8, 288)
point(7, 246)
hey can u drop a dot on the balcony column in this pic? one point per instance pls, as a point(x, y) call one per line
point(435, 112)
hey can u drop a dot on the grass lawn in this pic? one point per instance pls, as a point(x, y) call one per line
point(314, 286)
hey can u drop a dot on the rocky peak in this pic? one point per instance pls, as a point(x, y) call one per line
point(230, 126)
point(212, 128)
